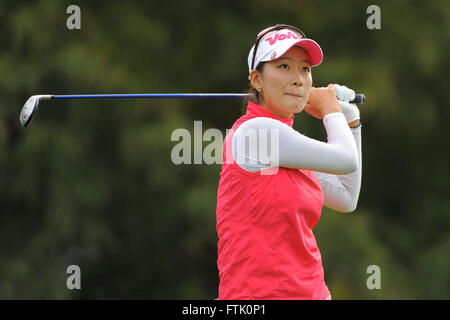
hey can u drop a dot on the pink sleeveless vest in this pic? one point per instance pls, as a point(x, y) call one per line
point(266, 247)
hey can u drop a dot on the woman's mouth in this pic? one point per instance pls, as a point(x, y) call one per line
point(294, 95)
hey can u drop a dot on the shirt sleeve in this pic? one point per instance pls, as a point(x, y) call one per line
point(341, 192)
point(262, 143)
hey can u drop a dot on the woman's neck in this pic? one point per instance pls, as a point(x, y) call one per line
point(277, 112)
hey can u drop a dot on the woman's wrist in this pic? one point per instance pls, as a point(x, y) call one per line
point(355, 124)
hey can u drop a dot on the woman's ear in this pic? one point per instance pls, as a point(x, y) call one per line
point(255, 80)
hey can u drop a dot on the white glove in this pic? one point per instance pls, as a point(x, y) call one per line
point(343, 93)
point(350, 111)
point(344, 96)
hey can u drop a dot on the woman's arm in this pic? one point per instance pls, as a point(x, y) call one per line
point(262, 143)
point(341, 192)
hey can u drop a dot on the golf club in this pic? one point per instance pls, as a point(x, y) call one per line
point(32, 103)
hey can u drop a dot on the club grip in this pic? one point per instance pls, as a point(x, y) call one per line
point(359, 98)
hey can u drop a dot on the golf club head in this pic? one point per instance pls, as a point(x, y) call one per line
point(30, 108)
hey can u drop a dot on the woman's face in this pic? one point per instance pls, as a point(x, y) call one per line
point(284, 83)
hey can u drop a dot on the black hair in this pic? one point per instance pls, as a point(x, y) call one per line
point(255, 94)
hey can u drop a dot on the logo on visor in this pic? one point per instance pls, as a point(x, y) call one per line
point(273, 55)
point(278, 36)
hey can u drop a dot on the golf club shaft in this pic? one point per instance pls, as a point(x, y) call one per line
point(30, 107)
point(151, 95)
point(359, 98)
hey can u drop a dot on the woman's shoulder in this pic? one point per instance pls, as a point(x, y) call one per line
point(259, 124)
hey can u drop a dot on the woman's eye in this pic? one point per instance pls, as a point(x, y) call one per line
point(284, 66)
point(306, 69)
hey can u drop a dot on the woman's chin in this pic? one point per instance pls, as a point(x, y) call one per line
point(300, 109)
point(296, 107)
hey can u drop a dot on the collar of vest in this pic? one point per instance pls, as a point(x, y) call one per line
point(256, 110)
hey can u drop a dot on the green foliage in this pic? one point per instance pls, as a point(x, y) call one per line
point(92, 183)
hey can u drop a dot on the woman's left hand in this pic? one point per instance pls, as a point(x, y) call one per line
point(350, 111)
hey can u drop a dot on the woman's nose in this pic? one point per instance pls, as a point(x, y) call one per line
point(297, 79)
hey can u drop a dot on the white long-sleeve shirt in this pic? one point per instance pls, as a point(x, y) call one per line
point(337, 163)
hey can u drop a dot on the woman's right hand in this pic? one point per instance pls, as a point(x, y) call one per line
point(322, 101)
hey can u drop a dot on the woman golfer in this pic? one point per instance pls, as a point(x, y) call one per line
point(275, 180)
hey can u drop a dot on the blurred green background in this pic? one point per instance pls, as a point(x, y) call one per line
point(91, 182)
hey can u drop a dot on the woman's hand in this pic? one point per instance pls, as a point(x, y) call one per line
point(350, 110)
point(351, 113)
point(322, 101)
